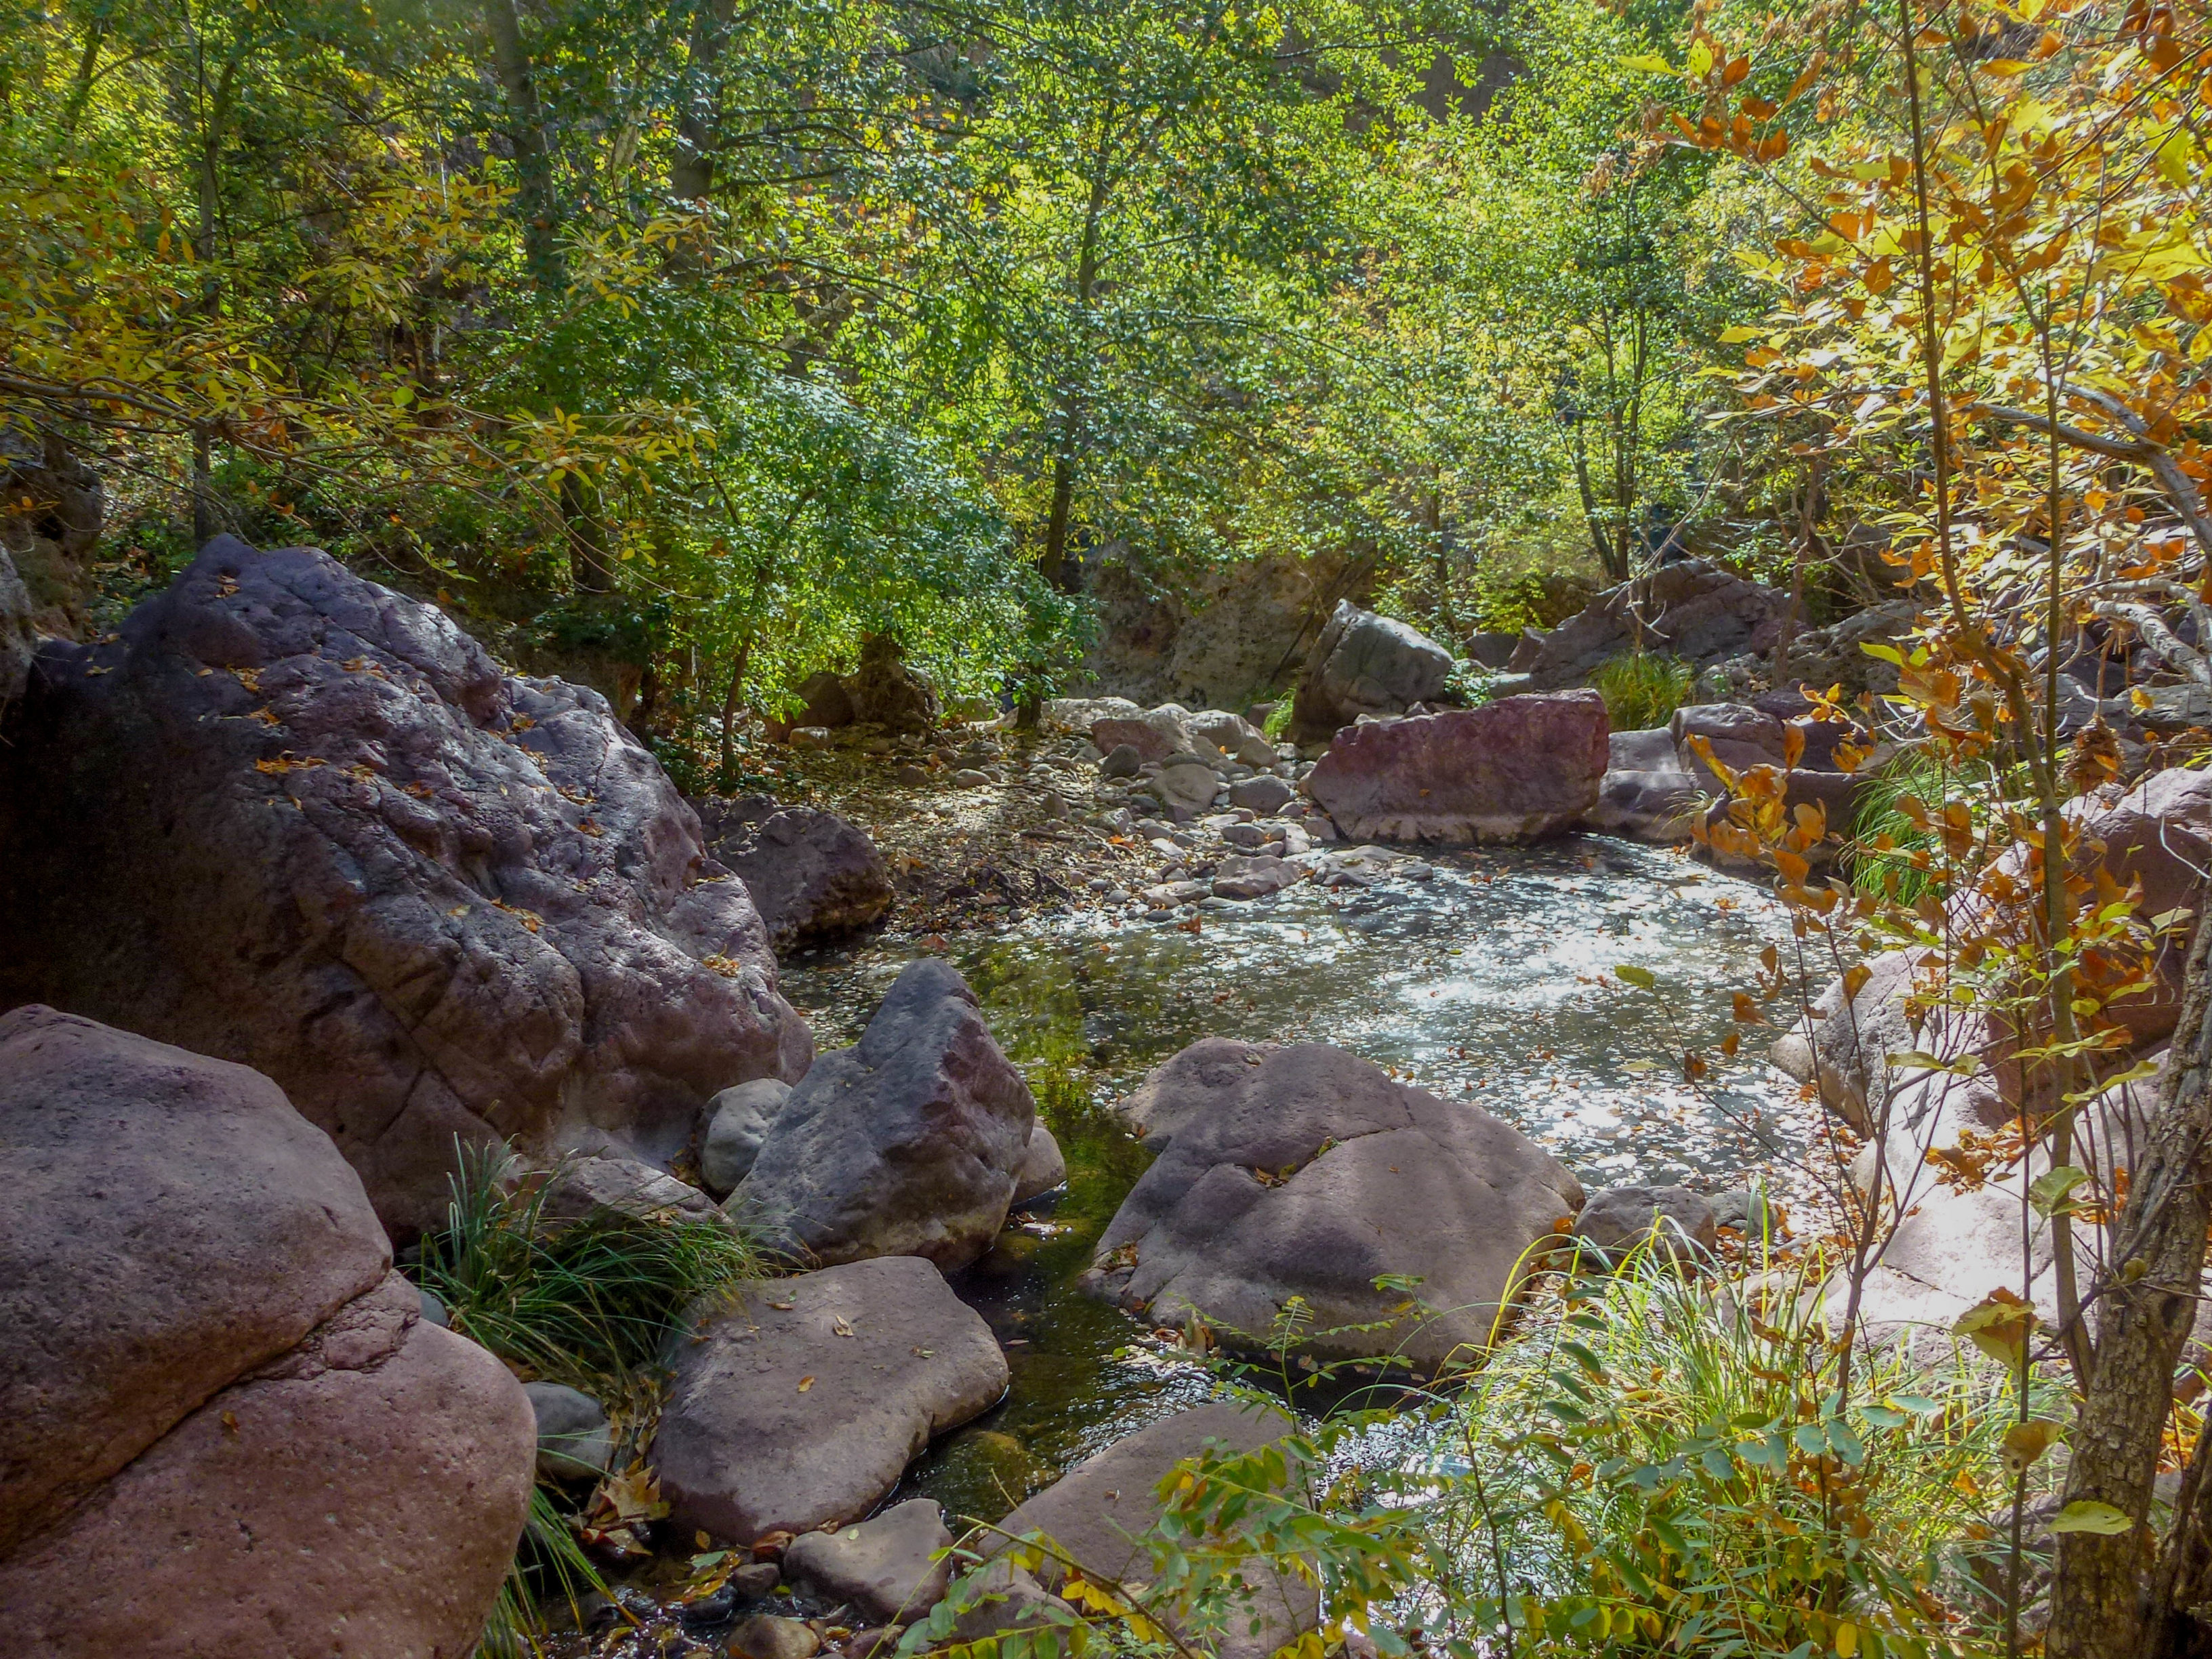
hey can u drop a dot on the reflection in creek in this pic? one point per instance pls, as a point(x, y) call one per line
point(1489, 980)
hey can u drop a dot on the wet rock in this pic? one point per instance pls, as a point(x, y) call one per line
point(1647, 793)
point(813, 876)
point(906, 1144)
point(575, 1442)
point(1364, 664)
point(1690, 609)
point(173, 1223)
point(764, 1636)
point(828, 705)
point(1097, 1513)
point(882, 1568)
point(1306, 1171)
point(1123, 761)
point(431, 901)
point(1043, 1168)
point(887, 693)
point(738, 1122)
point(804, 1405)
point(1255, 877)
point(582, 1186)
point(1617, 1219)
point(1511, 770)
point(1264, 795)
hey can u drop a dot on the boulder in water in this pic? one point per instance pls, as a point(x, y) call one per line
point(1364, 664)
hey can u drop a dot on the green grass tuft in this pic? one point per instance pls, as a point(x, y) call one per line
point(1643, 689)
point(549, 1563)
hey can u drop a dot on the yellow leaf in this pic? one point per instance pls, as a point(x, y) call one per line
point(1847, 1640)
point(805, 1384)
point(1700, 60)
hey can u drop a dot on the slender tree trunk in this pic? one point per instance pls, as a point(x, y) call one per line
point(533, 151)
point(1054, 563)
point(87, 69)
point(1807, 538)
point(589, 567)
point(691, 176)
point(2148, 1305)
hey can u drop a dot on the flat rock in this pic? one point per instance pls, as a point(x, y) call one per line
point(906, 1144)
point(359, 1497)
point(883, 1567)
point(1513, 769)
point(432, 901)
point(1241, 877)
point(1305, 1171)
point(171, 1223)
point(814, 876)
point(777, 1418)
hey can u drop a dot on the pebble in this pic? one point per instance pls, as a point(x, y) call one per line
point(966, 778)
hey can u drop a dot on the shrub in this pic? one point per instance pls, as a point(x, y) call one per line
point(1643, 689)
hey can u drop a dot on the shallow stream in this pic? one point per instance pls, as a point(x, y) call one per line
point(1490, 980)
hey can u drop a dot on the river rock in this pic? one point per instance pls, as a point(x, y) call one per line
point(885, 692)
point(1307, 1171)
point(1513, 769)
point(1125, 760)
point(295, 820)
point(580, 1187)
point(1097, 1513)
point(1187, 788)
point(1364, 664)
point(1647, 793)
point(205, 1343)
point(882, 1568)
point(1242, 877)
point(1617, 1219)
point(828, 705)
point(906, 1144)
point(765, 1636)
point(804, 1405)
point(1043, 1170)
point(1690, 609)
point(813, 876)
point(1154, 733)
point(1264, 795)
point(738, 1122)
point(575, 1442)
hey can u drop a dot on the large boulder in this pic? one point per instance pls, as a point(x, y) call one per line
point(294, 819)
point(888, 1569)
point(1364, 664)
point(1306, 1172)
point(803, 1405)
point(885, 692)
point(229, 1431)
point(909, 1143)
point(1647, 793)
point(813, 876)
point(1510, 770)
point(1154, 733)
point(1691, 609)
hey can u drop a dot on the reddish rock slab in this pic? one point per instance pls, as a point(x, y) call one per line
point(296, 820)
point(172, 1223)
point(360, 1499)
point(1514, 769)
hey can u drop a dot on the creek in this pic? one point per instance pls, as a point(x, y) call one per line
point(1490, 979)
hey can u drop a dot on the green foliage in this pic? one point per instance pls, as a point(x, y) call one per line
point(1908, 777)
point(1643, 689)
point(590, 1302)
point(1278, 718)
point(550, 1562)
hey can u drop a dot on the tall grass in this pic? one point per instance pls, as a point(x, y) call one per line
point(550, 1562)
point(590, 1302)
point(1878, 817)
point(1643, 689)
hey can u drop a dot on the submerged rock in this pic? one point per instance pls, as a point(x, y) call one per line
point(230, 1430)
point(1307, 1172)
point(298, 821)
point(805, 1404)
point(1514, 769)
point(906, 1144)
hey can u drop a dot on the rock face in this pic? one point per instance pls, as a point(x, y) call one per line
point(1510, 770)
point(813, 876)
point(881, 1567)
point(906, 1144)
point(18, 641)
point(1097, 1512)
point(207, 1344)
point(1690, 609)
point(295, 820)
point(1364, 664)
point(1306, 1171)
point(804, 1405)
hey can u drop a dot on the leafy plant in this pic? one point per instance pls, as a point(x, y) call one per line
point(1643, 689)
point(590, 1302)
point(549, 1561)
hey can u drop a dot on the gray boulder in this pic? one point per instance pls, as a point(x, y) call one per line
point(1187, 788)
point(1307, 1172)
point(882, 1568)
point(575, 1442)
point(1241, 877)
point(1691, 609)
point(580, 1187)
point(738, 1122)
point(1264, 795)
point(1123, 761)
point(804, 1405)
point(1617, 1219)
point(1647, 793)
point(1043, 1168)
point(1154, 733)
point(1364, 664)
point(906, 1144)
point(814, 876)
point(296, 820)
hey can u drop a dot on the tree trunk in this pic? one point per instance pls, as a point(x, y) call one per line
point(589, 567)
point(533, 152)
point(691, 176)
point(2147, 1307)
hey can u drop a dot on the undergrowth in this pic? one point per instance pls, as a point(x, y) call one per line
point(1642, 689)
